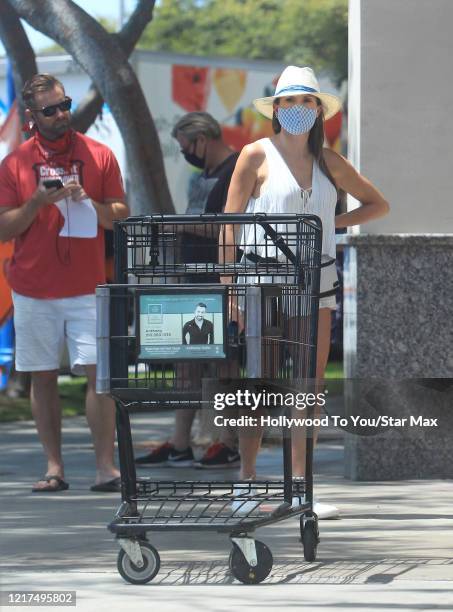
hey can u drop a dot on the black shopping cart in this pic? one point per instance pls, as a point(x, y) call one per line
point(261, 308)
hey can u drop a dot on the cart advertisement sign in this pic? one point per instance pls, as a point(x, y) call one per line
point(174, 326)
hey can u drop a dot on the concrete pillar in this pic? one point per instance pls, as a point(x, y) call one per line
point(399, 275)
point(401, 109)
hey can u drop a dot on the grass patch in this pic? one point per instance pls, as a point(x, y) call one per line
point(72, 397)
point(334, 370)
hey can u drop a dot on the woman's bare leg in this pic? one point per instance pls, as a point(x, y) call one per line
point(249, 445)
point(322, 356)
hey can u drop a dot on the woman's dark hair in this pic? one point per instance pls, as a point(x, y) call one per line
point(315, 139)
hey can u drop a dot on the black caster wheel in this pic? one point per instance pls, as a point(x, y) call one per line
point(310, 538)
point(139, 575)
point(246, 573)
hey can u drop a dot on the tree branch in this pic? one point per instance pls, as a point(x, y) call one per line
point(91, 105)
point(101, 56)
point(18, 49)
point(132, 30)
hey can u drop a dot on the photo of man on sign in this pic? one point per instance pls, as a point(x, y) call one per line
point(199, 330)
point(175, 325)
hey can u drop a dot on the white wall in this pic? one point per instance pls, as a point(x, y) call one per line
point(401, 109)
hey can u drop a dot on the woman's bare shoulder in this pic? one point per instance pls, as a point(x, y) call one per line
point(253, 154)
point(334, 159)
point(335, 162)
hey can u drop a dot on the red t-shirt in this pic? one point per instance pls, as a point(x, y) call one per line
point(44, 264)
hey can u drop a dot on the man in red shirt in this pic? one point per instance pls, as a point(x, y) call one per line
point(57, 262)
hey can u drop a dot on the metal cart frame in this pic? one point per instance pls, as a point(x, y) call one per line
point(147, 253)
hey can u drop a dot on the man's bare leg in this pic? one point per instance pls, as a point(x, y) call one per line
point(183, 425)
point(100, 412)
point(45, 406)
point(228, 434)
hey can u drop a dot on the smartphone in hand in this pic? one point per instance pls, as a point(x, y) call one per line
point(53, 183)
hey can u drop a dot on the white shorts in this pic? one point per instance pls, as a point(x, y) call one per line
point(43, 326)
point(328, 282)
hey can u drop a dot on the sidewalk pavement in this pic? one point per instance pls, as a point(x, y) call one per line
point(392, 548)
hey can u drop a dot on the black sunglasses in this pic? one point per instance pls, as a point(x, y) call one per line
point(49, 111)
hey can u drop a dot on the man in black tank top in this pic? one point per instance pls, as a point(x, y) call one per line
point(200, 138)
point(202, 146)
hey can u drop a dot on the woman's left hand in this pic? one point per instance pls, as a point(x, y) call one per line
point(373, 203)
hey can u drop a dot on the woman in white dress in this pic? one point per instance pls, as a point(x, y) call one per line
point(292, 172)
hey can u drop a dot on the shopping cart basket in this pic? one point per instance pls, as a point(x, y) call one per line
point(262, 298)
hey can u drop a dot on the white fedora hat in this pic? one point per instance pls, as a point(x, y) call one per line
point(296, 81)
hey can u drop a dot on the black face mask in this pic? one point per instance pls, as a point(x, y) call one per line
point(193, 159)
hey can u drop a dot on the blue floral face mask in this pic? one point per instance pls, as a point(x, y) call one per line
point(297, 119)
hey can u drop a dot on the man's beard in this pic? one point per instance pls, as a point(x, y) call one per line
point(55, 131)
point(61, 128)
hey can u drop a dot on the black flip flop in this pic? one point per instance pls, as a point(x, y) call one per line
point(110, 486)
point(61, 485)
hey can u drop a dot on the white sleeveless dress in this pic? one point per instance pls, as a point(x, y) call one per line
point(281, 193)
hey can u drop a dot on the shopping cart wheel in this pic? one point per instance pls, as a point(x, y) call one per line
point(139, 575)
point(310, 537)
point(246, 573)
